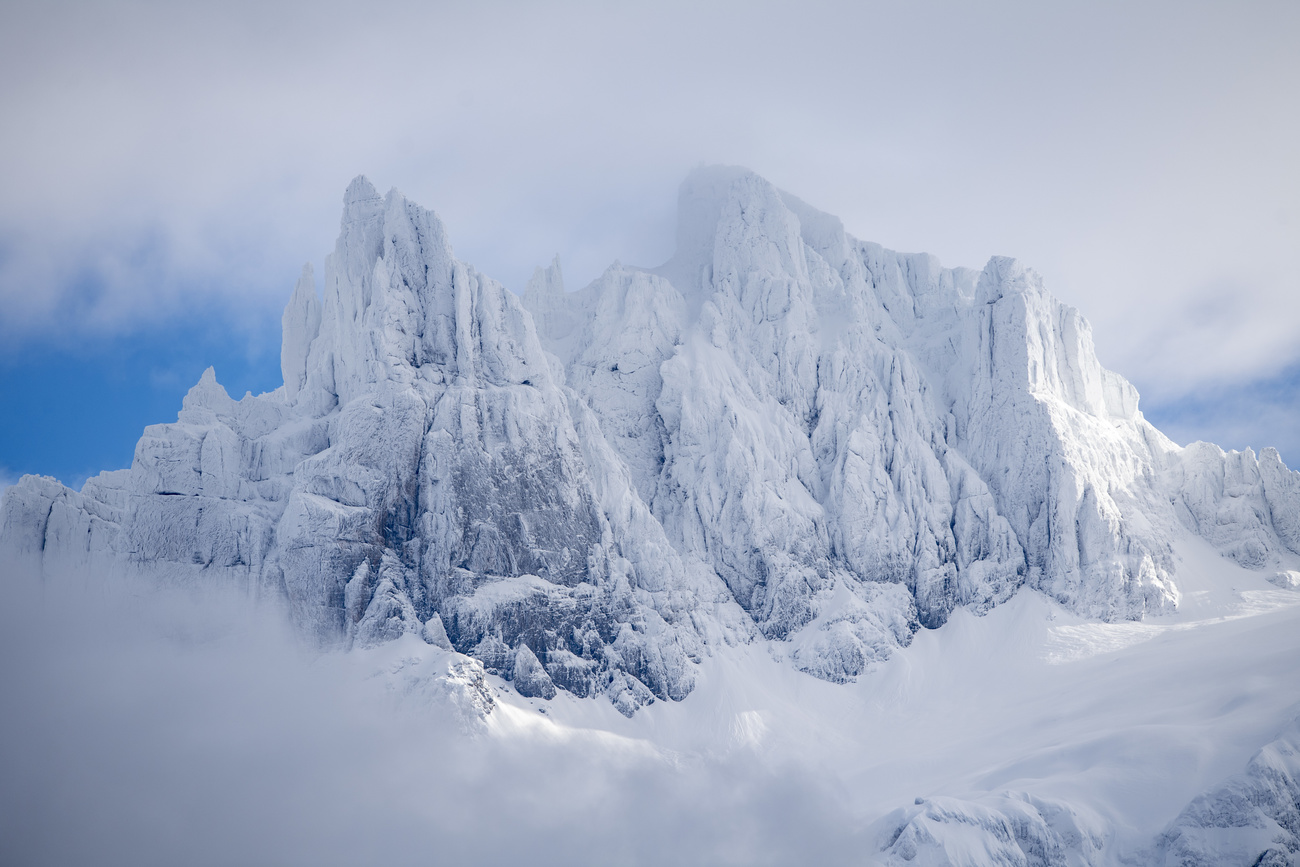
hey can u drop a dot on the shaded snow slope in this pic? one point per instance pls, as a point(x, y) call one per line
point(783, 435)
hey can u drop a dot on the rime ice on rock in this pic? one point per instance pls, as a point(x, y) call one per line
point(783, 433)
point(300, 325)
point(1251, 819)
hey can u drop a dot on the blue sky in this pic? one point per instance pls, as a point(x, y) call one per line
point(1238, 415)
point(74, 410)
point(168, 168)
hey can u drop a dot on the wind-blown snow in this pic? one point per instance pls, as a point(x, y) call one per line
point(784, 444)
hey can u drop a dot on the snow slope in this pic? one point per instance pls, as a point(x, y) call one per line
point(784, 452)
point(1030, 735)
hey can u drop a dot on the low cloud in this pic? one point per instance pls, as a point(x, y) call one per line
point(162, 728)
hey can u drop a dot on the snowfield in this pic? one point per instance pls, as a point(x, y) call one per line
point(791, 550)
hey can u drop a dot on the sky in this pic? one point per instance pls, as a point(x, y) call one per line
point(169, 167)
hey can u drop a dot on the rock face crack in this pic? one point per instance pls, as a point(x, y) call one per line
point(780, 434)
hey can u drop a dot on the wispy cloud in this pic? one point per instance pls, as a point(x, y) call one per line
point(223, 139)
point(164, 158)
point(1255, 414)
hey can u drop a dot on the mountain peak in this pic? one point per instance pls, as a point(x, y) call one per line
point(783, 434)
point(359, 190)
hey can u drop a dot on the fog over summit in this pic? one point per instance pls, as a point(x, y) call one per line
point(166, 162)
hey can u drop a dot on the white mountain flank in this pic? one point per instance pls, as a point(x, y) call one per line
point(783, 439)
point(783, 433)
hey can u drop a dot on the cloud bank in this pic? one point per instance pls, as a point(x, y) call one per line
point(161, 157)
point(144, 727)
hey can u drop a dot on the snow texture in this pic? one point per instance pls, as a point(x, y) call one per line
point(783, 434)
point(1252, 820)
point(1010, 830)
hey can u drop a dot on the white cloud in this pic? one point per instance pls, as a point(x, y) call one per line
point(159, 156)
point(1252, 415)
point(153, 728)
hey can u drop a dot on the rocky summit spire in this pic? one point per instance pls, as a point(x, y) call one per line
point(300, 324)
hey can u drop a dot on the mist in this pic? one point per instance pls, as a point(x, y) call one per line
point(147, 725)
point(162, 156)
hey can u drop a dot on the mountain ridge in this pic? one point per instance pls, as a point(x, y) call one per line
point(782, 434)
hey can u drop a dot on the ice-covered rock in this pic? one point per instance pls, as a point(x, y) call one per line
point(530, 678)
point(422, 471)
point(1252, 820)
point(1007, 830)
point(299, 326)
point(804, 411)
point(1243, 505)
point(781, 434)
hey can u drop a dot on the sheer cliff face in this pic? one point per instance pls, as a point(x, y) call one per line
point(782, 434)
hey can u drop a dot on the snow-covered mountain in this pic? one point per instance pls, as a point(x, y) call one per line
point(783, 438)
point(782, 433)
